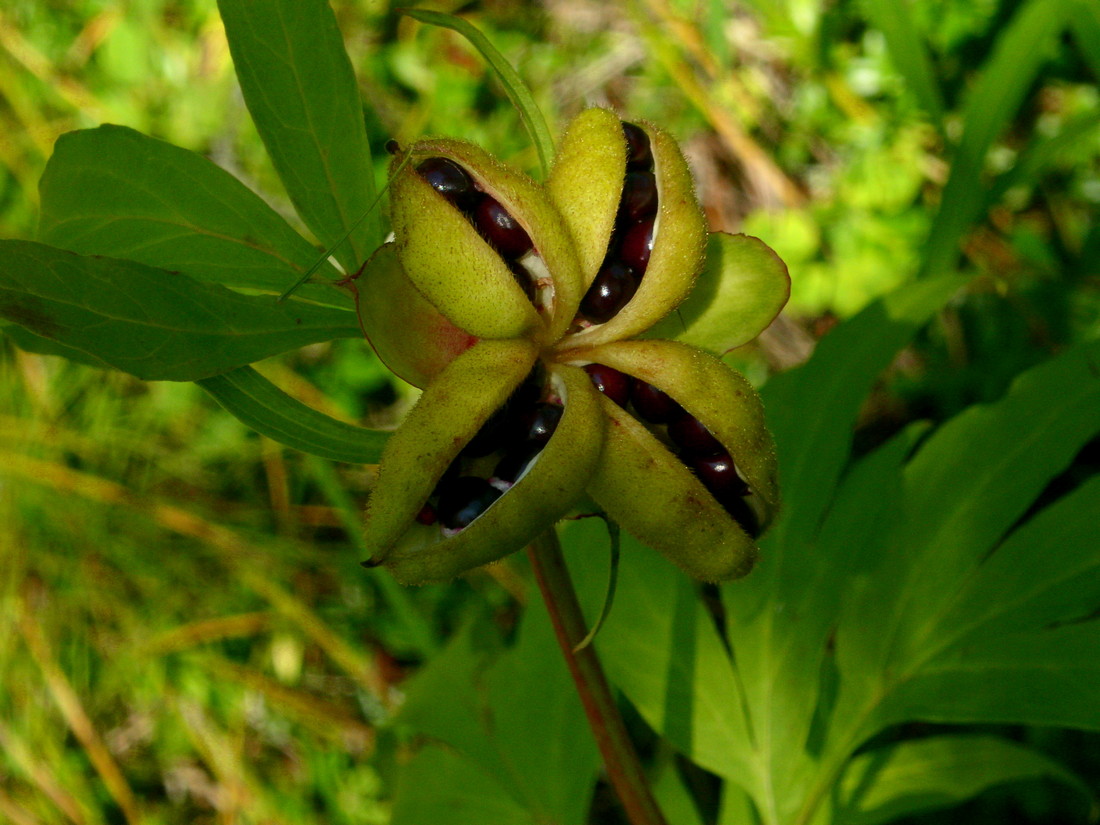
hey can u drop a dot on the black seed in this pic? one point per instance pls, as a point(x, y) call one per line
point(514, 461)
point(450, 180)
point(638, 152)
point(463, 500)
point(614, 286)
point(636, 246)
point(491, 436)
point(654, 405)
point(743, 514)
point(689, 434)
point(523, 278)
point(639, 199)
point(500, 229)
point(719, 475)
point(537, 423)
point(612, 383)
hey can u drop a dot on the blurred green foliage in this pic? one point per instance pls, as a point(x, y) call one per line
point(185, 634)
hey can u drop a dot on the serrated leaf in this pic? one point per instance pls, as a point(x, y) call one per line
point(154, 324)
point(301, 91)
point(114, 191)
point(271, 412)
point(922, 775)
point(740, 291)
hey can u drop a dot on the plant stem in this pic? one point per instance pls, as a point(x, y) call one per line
point(619, 756)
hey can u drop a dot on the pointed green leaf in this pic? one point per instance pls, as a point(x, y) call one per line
point(155, 324)
point(1021, 48)
point(909, 53)
point(113, 191)
point(907, 778)
point(517, 90)
point(27, 340)
point(271, 412)
point(301, 91)
point(1084, 22)
point(740, 291)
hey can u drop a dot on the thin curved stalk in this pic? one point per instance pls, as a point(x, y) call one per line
point(623, 768)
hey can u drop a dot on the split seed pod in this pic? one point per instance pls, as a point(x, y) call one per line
point(507, 289)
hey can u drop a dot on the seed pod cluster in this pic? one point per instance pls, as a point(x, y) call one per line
point(519, 307)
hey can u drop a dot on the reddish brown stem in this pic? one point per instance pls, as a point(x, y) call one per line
point(623, 768)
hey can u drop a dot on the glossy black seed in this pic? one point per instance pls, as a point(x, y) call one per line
point(638, 152)
point(743, 514)
point(636, 245)
point(512, 464)
point(614, 286)
point(463, 500)
point(500, 229)
point(426, 515)
point(450, 180)
point(536, 424)
point(491, 436)
point(612, 383)
point(639, 199)
point(719, 475)
point(694, 439)
point(654, 405)
point(525, 281)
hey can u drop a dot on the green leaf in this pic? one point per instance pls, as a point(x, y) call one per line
point(271, 412)
point(113, 191)
point(965, 488)
point(1084, 22)
point(515, 716)
point(924, 775)
point(1020, 51)
point(155, 324)
point(741, 290)
point(300, 88)
point(660, 647)
point(439, 785)
point(514, 86)
point(27, 340)
point(909, 53)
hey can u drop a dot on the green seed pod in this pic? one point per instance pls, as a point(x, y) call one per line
point(460, 273)
point(680, 230)
point(414, 339)
point(549, 487)
point(671, 510)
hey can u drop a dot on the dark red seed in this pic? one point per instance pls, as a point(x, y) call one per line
point(689, 434)
point(614, 286)
point(450, 180)
point(639, 155)
point(719, 475)
point(612, 383)
point(426, 515)
point(654, 405)
point(639, 199)
point(500, 229)
point(636, 246)
point(463, 500)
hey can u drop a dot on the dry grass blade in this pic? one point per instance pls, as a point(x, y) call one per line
point(16, 750)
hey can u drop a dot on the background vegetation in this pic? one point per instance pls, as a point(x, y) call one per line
point(185, 632)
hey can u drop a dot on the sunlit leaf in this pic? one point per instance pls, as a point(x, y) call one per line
point(154, 324)
point(301, 91)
